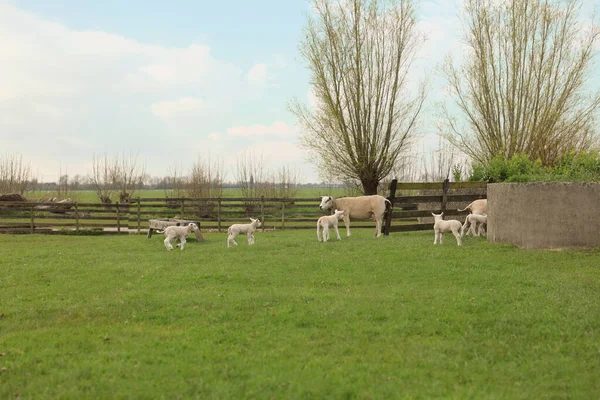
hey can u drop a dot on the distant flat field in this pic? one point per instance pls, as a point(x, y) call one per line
point(90, 196)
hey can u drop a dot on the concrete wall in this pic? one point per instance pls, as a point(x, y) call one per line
point(544, 215)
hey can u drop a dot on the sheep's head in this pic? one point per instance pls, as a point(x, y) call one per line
point(326, 202)
point(256, 222)
point(438, 217)
point(339, 214)
point(193, 227)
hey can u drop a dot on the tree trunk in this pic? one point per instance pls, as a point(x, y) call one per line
point(370, 187)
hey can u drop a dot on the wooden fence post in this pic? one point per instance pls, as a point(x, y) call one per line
point(139, 221)
point(182, 216)
point(76, 217)
point(282, 215)
point(388, 215)
point(262, 211)
point(445, 194)
point(32, 221)
point(219, 216)
point(118, 220)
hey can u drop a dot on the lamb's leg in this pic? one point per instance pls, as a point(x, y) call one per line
point(435, 237)
point(326, 233)
point(472, 228)
point(337, 232)
point(347, 224)
point(231, 239)
point(318, 232)
point(168, 244)
point(482, 230)
point(378, 228)
point(462, 229)
point(458, 237)
point(250, 239)
point(182, 243)
point(441, 237)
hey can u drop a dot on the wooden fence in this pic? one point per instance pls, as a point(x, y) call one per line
point(409, 203)
point(217, 213)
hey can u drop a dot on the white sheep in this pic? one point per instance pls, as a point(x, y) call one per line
point(440, 226)
point(329, 221)
point(178, 232)
point(477, 207)
point(475, 223)
point(247, 229)
point(362, 207)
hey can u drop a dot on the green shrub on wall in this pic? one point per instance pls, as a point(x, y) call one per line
point(574, 167)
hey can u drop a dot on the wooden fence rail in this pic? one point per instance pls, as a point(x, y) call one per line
point(423, 205)
point(219, 213)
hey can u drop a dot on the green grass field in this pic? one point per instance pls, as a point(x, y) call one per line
point(114, 317)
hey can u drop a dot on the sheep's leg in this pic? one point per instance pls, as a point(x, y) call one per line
point(168, 244)
point(250, 239)
point(231, 239)
point(337, 232)
point(378, 227)
point(347, 224)
point(458, 237)
point(182, 243)
point(326, 233)
point(318, 232)
point(472, 229)
point(441, 237)
point(435, 237)
point(462, 229)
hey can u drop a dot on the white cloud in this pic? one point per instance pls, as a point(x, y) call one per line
point(46, 59)
point(276, 128)
point(257, 74)
point(182, 106)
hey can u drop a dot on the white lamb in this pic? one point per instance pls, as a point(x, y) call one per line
point(440, 226)
point(178, 232)
point(247, 229)
point(475, 222)
point(329, 221)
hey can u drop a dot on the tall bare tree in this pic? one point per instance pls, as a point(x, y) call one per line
point(359, 53)
point(206, 179)
point(127, 176)
point(15, 175)
point(174, 182)
point(102, 178)
point(123, 175)
point(522, 85)
point(251, 175)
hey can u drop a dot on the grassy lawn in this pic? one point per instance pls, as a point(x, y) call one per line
point(290, 318)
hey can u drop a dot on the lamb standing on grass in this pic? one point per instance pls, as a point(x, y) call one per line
point(328, 221)
point(442, 226)
point(247, 229)
point(178, 232)
point(475, 222)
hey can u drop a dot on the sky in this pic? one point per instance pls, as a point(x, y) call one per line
point(170, 83)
